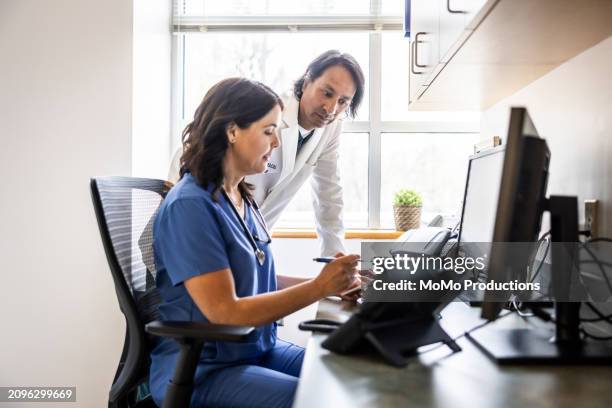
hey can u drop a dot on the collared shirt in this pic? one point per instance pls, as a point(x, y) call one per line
point(303, 137)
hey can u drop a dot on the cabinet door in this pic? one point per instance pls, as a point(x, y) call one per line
point(424, 43)
point(452, 24)
point(455, 19)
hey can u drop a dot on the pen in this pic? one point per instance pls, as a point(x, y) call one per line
point(324, 259)
point(327, 259)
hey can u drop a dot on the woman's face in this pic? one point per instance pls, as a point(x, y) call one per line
point(253, 146)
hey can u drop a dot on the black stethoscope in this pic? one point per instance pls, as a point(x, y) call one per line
point(259, 254)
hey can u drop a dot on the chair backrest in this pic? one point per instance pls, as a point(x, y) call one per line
point(125, 210)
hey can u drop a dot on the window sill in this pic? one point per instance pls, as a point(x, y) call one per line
point(348, 234)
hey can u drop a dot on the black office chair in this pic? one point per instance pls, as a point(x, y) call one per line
point(125, 209)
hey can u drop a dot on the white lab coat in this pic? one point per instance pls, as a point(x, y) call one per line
point(286, 173)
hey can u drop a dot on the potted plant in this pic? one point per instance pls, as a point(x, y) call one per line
point(407, 209)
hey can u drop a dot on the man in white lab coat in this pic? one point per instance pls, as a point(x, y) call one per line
point(331, 88)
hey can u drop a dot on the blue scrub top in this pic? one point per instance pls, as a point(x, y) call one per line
point(194, 235)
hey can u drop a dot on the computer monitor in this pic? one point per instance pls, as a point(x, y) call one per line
point(480, 202)
point(521, 199)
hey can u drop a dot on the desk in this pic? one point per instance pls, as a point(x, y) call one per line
point(439, 379)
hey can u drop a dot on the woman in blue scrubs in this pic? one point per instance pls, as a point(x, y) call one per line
point(213, 257)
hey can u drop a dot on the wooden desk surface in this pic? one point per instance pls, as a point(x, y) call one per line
point(439, 379)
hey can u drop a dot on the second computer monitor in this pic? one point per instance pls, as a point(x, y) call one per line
point(480, 201)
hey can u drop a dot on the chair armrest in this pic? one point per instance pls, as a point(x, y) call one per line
point(204, 331)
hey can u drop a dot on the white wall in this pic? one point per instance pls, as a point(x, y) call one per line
point(152, 84)
point(572, 108)
point(65, 115)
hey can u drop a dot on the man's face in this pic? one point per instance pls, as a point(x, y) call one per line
point(325, 98)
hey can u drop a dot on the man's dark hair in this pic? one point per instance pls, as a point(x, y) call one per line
point(330, 59)
point(236, 101)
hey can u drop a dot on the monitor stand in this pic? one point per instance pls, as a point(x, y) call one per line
point(533, 346)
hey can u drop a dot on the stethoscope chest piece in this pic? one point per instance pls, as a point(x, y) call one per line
point(261, 256)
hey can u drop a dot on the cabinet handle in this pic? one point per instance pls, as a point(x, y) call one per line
point(412, 59)
point(450, 10)
point(416, 50)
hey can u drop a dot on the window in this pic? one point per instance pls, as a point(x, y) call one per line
point(238, 8)
point(225, 8)
point(385, 148)
point(262, 56)
point(432, 163)
point(353, 165)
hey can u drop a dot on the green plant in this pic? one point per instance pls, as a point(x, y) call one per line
point(408, 197)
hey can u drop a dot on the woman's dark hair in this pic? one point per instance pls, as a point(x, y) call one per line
point(327, 60)
point(238, 101)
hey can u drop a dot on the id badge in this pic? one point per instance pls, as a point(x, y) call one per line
point(272, 168)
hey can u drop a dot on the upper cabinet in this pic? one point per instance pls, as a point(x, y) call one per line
point(470, 54)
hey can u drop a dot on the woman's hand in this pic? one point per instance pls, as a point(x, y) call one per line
point(339, 275)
